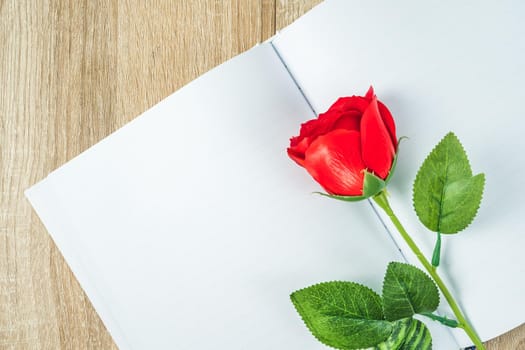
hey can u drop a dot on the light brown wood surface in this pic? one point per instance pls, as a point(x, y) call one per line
point(72, 72)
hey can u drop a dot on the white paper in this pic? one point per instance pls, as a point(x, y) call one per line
point(440, 66)
point(189, 227)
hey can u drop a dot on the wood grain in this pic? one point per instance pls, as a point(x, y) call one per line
point(71, 73)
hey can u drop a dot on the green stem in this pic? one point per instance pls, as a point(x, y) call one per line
point(382, 201)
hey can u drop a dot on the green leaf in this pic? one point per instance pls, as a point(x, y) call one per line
point(446, 196)
point(343, 315)
point(407, 291)
point(408, 334)
point(462, 200)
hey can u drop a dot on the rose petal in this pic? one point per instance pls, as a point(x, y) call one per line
point(307, 129)
point(326, 122)
point(352, 103)
point(334, 161)
point(389, 122)
point(376, 143)
point(350, 120)
point(296, 156)
point(316, 127)
point(370, 93)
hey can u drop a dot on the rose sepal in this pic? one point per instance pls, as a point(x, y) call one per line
point(394, 161)
point(372, 185)
point(342, 198)
point(392, 170)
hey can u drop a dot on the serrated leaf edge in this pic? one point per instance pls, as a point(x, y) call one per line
point(298, 309)
point(311, 329)
point(426, 274)
point(449, 134)
point(477, 207)
point(418, 174)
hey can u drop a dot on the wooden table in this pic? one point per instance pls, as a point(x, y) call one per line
point(72, 72)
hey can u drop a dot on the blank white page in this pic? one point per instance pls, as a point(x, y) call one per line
point(439, 66)
point(189, 227)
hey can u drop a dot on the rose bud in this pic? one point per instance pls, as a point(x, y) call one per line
point(350, 150)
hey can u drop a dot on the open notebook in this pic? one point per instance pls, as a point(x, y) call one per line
point(189, 227)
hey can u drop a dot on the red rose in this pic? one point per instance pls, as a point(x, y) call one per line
point(350, 149)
